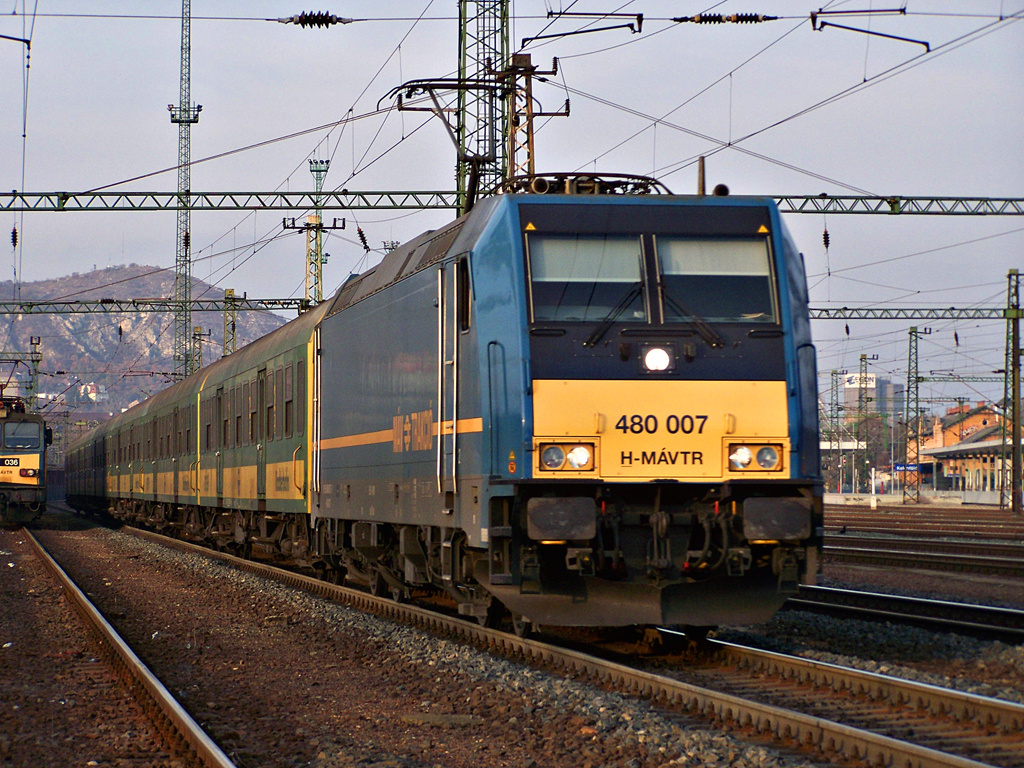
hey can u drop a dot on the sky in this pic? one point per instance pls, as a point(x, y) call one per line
point(777, 108)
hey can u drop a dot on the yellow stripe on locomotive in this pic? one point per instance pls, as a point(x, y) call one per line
point(682, 430)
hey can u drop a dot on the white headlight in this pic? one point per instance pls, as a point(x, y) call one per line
point(657, 359)
point(553, 457)
point(578, 457)
point(767, 457)
point(741, 457)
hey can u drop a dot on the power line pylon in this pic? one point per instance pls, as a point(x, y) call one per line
point(230, 322)
point(314, 226)
point(836, 419)
point(184, 115)
point(861, 431)
point(482, 112)
point(912, 482)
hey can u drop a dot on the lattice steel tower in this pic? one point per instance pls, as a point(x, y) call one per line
point(912, 481)
point(184, 115)
point(315, 237)
point(483, 118)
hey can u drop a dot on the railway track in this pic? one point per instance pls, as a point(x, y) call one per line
point(961, 522)
point(818, 730)
point(982, 621)
point(184, 735)
point(959, 725)
point(915, 529)
point(930, 554)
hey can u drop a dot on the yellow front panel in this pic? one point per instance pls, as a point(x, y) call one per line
point(659, 429)
point(11, 465)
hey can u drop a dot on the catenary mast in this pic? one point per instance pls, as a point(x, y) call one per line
point(184, 115)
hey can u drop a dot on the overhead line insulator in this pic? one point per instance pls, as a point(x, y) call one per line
point(315, 19)
point(719, 18)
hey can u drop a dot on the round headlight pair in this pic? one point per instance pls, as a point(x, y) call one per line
point(767, 457)
point(555, 457)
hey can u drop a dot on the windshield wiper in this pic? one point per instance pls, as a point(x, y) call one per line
point(704, 330)
point(613, 315)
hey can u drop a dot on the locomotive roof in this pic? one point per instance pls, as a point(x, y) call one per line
point(419, 253)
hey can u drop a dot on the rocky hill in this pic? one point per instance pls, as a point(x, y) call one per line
point(105, 362)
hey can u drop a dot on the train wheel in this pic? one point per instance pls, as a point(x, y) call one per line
point(522, 626)
point(377, 584)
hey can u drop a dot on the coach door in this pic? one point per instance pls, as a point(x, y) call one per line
point(176, 452)
point(452, 284)
point(261, 434)
point(220, 435)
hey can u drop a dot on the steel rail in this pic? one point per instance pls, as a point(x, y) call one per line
point(980, 532)
point(1010, 550)
point(180, 728)
point(984, 620)
point(807, 730)
point(926, 560)
point(1006, 716)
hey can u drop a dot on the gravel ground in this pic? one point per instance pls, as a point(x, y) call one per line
point(60, 703)
point(280, 678)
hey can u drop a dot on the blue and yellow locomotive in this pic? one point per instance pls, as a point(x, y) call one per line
point(591, 410)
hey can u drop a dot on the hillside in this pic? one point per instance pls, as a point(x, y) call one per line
point(105, 362)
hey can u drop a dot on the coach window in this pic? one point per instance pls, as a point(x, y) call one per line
point(225, 419)
point(465, 294)
point(718, 280)
point(300, 389)
point(238, 417)
point(253, 414)
point(268, 404)
point(586, 278)
point(279, 404)
point(289, 402)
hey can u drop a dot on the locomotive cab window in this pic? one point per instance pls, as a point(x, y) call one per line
point(589, 278)
point(22, 434)
point(718, 280)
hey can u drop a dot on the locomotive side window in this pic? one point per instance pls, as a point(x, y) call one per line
point(22, 434)
point(586, 278)
point(716, 280)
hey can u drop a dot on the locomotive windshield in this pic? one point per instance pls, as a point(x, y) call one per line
point(22, 434)
point(715, 280)
point(587, 277)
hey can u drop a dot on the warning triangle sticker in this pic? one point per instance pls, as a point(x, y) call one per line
point(530, 227)
point(762, 230)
